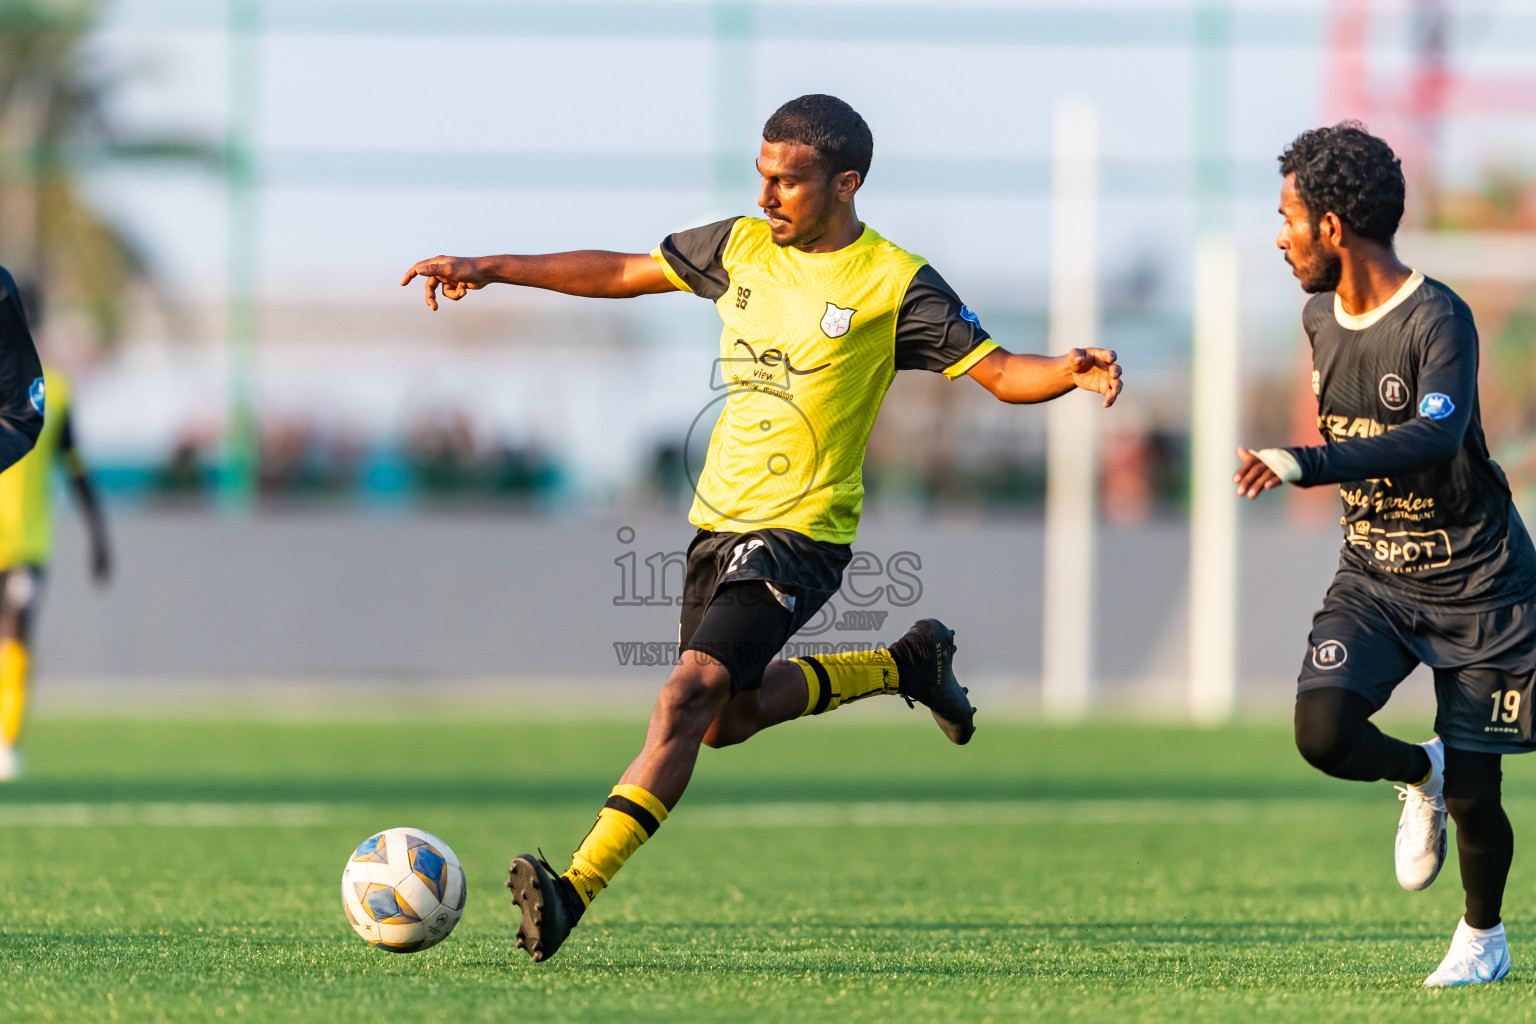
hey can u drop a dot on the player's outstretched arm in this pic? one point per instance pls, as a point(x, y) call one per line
point(1447, 392)
point(1024, 379)
point(592, 273)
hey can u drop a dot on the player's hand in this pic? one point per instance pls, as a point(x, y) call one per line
point(456, 275)
point(1253, 477)
point(1095, 369)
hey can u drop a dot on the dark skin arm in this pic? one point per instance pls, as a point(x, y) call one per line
point(85, 499)
point(95, 523)
point(592, 273)
point(1025, 379)
point(598, 274)
point(1014, 378)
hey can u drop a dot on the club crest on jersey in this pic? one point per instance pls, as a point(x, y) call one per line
point(36, 394)
point(1329, 655)
point(1436, 406)
point(1393, 392)
point(836, 321)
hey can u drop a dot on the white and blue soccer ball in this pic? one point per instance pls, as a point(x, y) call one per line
point(403, 890)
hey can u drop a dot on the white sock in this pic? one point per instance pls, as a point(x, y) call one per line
point(1426, 784)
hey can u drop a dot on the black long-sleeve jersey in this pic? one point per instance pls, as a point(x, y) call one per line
point(1427, 513)
point(21, 378)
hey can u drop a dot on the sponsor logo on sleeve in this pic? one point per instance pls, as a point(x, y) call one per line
point(967, 313)
point(1393, 392)
point(36, 394)
point(1436, 406)
point(1328, 655)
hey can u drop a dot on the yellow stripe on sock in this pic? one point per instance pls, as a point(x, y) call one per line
point(619, 831)
point(813, 687)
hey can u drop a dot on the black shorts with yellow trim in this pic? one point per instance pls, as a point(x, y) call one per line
point(1484, 662)
point(746, 594)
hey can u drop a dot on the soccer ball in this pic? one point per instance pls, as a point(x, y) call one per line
point(403, 890)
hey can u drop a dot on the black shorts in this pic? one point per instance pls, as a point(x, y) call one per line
point(1484, 662)
point(745, 595)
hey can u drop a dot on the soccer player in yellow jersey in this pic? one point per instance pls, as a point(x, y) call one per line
point(819, 312)
point(26, 543)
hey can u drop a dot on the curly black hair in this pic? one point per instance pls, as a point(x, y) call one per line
point(831, 127)
point(1347, 171)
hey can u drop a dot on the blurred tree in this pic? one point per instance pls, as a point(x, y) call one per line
point(1502, 202)
point(54, 121)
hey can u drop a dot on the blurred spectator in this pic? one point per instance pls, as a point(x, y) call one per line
point(441, 450)
point(522, 472)
point(447, 461)
point(1126, 478)
point(186, 478)
point(1168, 470)
point(666, 480)
point(297, 461)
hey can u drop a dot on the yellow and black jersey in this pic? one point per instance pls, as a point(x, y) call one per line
point(810, 345)
point(26, 489)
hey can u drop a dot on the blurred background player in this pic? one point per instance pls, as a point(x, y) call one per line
point(26, 543)
point(819, 313)
point(1437, 567)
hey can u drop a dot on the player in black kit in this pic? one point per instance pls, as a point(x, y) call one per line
point(1436, 565)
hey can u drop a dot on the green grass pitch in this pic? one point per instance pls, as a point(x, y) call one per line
point(845, 869)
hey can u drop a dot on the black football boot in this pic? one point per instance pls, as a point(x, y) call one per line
point(925, 663)
point(549, 904)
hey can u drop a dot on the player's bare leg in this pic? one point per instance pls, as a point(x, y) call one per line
point(551, 905)
point(782, 697)
point(696, 707)
point(698, 688)
point(919, 667)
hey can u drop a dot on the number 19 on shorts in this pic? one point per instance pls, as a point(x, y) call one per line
point(1506, 705)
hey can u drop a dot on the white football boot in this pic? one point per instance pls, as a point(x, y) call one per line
point(1420, 847)
point(1476, 956)
point(10, 764)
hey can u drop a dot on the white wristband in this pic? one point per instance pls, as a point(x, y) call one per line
point(1281, 462)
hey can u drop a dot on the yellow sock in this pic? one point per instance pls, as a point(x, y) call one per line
point(13, 689)
point(837, 679)
point(628, 819)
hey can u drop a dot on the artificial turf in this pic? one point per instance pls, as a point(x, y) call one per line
point(831, 870)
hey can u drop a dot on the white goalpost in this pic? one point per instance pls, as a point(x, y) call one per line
point(1071, 457)
point(1213, 508)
